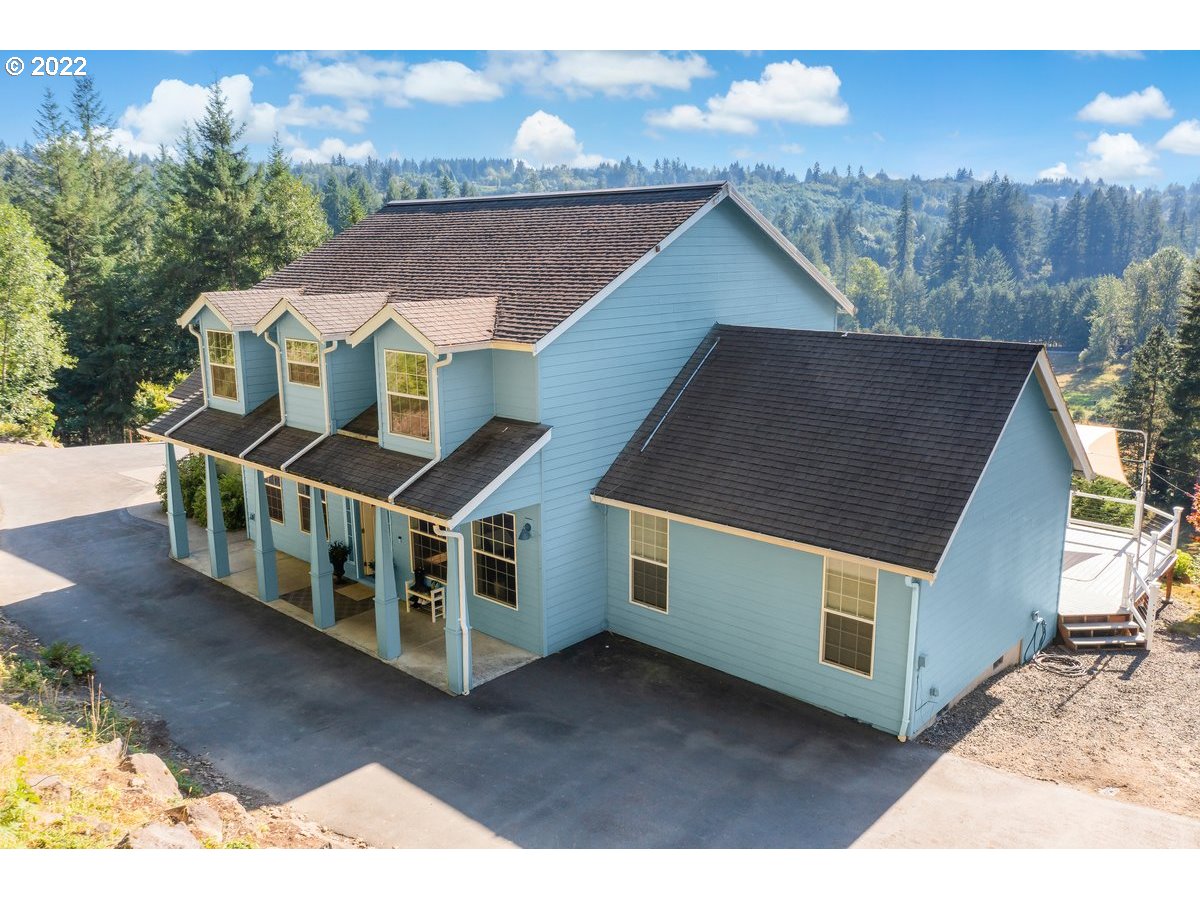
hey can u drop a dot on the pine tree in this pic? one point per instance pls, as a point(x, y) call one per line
point(294, 219)
point(1141, 402)
point(448, 186)
point(1178, 460)
point(904, 238)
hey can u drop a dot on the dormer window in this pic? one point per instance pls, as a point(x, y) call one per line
point(407, 394)
point(303, 362)
point(222, 365)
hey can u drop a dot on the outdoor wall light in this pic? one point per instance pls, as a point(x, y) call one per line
point(526, 532)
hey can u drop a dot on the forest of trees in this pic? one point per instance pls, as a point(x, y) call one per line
point(99, 251)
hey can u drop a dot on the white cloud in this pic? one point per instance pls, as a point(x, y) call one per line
point(1131, 109)
point(792, 148)
point(546, 140)
point(331, 147)
point(1112, 54)
point(1183, 138)
point(1118, 157)
point(174, 105)
point(449, 82)
point(786, 92)
point(614, 73)
point(1056, 172)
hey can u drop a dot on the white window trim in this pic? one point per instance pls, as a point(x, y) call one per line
point(654, 562)
point(305, 521)
point(874, 623)
point(516, 575)
point(267, 486)
point(388, 394)
point(288, 362)
point(208, 333)
point(412, 547)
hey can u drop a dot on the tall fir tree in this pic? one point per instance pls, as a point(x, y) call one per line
point(1178, 461)
point(1141, 402)
point(904, 238)
point(294, 221)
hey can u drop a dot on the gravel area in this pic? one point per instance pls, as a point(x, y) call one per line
point(1129, 727)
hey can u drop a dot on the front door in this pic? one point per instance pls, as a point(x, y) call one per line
point(366, 524)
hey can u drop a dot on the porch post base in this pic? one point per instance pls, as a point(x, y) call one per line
point(264, 542)
point(454, 659)
point(176, 515)
point(218, 543)
point(387, 627)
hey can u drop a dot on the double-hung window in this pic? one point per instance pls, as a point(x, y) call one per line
point(274, 487)
point(222, 365)
point(303, 362)
point(407, 377)
point(648, 560)
point(848, 616)
point(304, 501)
point(494, 546)
point(428, 548)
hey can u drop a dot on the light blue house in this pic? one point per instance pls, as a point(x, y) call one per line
point(532, 419)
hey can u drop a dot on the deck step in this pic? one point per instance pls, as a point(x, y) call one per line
point(1099, 630)
point(1138, 640)
point(1105, 627)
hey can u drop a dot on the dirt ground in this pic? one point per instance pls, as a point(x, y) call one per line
point(1128, 727)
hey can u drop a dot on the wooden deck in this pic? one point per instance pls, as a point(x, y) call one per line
point(1094, 568)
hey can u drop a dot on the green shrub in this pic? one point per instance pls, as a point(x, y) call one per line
point(191, 477)
point(1099, 510)
point(233, 502)
point(69, 658)
point(1184, 566)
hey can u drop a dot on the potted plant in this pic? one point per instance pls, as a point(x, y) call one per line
point(338, 554)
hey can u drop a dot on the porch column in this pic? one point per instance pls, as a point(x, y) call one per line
point(264, 541)
point(320, 569)
point(387, 599)
point(455, 663)
point(218, 544)
point(176, 514)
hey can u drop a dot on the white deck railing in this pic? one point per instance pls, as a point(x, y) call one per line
point(1155, 548)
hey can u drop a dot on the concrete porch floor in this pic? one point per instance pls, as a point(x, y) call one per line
point(422, 642)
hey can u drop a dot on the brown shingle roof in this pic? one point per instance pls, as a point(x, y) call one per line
point(542, 256)
point(449, 323)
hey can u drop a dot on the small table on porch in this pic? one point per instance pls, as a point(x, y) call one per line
point(431, 596)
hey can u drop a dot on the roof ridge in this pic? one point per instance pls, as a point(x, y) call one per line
point(873, 335)
point(538, 195)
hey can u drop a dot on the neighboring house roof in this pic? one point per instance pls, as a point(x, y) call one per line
point(865, 445)
point(193, 384)
point(1103, 451)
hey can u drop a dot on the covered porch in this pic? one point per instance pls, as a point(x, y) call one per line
point(1117, 552)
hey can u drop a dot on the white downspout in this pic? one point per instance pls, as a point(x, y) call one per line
point(914, 587)
point(325, 386)
point(435, 427)
point(203, 382)
point(282, 407)
point(463, 623)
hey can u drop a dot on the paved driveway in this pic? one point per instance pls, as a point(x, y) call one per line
point(606, 744)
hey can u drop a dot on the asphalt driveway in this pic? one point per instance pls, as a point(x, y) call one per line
point(606, 744)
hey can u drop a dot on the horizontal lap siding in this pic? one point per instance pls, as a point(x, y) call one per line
point(305, 404)
point(208, 320)
point(522, 626)
point(754, 610)
point(351, 380)
point(260, 373)
point(514, 375)
point(391, 336)
point(287, 536)
point(601, 377)
point(466, 396)
point(1004, 563)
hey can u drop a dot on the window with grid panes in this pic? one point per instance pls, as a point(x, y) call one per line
point(648, 560)
point(848, 615)
point(274, 487)
point(407, 379)
point(428, 549)
point(304, 500)
point(494, 547)
point(222, 365)
point(303, 362)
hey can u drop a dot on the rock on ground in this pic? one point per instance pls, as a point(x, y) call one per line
point(16, 734)
point(201, 818)
point(159, 836)
point(49, 787)
point(156, 778)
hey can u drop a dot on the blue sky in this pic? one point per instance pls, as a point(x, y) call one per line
point(1128, 118)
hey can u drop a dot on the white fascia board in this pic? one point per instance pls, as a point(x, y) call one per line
point(459, 517)
point(766, 538)
point(554, 333)
point(200, 303)
point(389, 314)
point(1062, 415)
point(790, 249)
point(277, 312)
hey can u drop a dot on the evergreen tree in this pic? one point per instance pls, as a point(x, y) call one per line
point(1178, 459)
point(1141, 402)
point(32, 344)
point(448, 186)
point(904, 238)
point(294, 219)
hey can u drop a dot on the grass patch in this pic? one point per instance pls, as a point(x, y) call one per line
point(1088, 390)
point(1187, 596)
